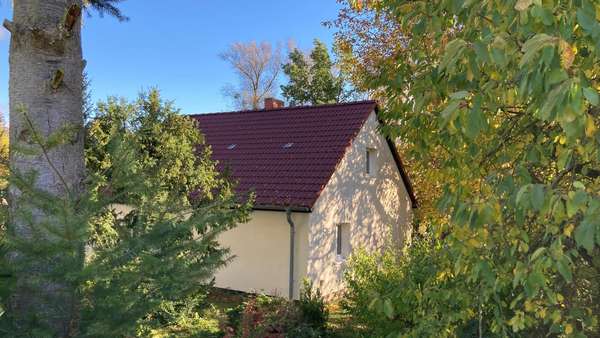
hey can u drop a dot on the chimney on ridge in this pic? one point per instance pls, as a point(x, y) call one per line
point(272, 103)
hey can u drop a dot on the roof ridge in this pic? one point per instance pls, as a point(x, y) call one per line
point(339, 104)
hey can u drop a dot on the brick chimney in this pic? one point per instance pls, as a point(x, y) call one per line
point(272, 103)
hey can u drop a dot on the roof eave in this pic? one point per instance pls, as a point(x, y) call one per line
point(396, 155)
point(282, 208)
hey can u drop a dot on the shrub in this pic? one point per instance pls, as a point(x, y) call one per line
point(405, 293)
point(274, 317)
point(266, 316)
point(312, 307)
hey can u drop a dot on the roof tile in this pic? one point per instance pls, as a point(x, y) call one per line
point(281, 176)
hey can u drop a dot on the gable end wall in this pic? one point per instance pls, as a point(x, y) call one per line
point(377, 208)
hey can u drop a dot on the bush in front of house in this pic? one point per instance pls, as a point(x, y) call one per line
point(404, 293)
point(313, 308)
point(274, 317)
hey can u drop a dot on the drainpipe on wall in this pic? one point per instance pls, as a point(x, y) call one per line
point(288, 213)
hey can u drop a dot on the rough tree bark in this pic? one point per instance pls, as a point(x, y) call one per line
point(45, 91)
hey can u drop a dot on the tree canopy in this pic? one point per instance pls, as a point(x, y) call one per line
point(507, 91)
point(312, 79)
point(153, 208)
point(258, 67)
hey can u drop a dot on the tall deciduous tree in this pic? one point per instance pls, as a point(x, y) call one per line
point(508, 91)
point(258, 67)
point(366, 42)
point(46, 68)
point(313, 79)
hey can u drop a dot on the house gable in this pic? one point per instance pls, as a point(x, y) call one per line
point(375, 206)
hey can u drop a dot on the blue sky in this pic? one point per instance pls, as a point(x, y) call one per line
point(174, 45)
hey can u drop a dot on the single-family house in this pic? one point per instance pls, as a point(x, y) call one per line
point(326, 183)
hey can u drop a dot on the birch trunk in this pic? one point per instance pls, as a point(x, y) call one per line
point(45, 90)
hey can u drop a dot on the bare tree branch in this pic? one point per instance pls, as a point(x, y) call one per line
point(258, 67)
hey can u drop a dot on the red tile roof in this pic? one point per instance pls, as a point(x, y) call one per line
point(252, 144)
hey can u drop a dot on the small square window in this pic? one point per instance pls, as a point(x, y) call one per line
point(371, 161)
point(342, 237)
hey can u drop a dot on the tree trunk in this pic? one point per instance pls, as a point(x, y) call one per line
point(46, 68)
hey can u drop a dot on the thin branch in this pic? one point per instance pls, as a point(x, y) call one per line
point(38, 140)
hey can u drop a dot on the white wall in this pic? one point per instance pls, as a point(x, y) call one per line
point(261, 248)
point(375, 206)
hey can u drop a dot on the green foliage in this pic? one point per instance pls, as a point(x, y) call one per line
point(107, 7)
point(145, 270)
point(264, 316)
point(312, 80)
point(507, 91)
point(405, 293)
point(168, 146)
point(312, 307)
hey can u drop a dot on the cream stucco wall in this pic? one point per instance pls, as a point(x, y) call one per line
point(261, 250)
point(374, 205)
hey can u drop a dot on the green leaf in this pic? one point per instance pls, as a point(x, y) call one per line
point(584, 234)
point(564, 159)
point(575, 201)
point(579, 185)
point(524, 191)
point(534, 45)
point(388, 308)
point(591, 95)
point(535, 281)
point(537, 196)
point(554, 98)
point(475, 122)
point(537, 253)
point(481, 51)
point(586, 20)
point(558, 210)
point(563, 267)
point(449, 111)
point(375, 304)
point(459, 95)
point(453, 51)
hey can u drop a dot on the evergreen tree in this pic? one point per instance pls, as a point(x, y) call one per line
point(179, 204)
point(313, 80)
point(152, 211)
point(46, 140)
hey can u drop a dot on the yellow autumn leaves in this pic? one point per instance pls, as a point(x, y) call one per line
point(523, 5)
point(567, 54)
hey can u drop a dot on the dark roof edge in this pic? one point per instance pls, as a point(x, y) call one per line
point(287, 108)
point(396, 155)
point(282, 208)
point(403, 174)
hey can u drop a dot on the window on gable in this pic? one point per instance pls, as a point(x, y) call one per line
point(371, 161)
point(342, 237)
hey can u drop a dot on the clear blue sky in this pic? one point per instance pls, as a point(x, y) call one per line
point(174, 45)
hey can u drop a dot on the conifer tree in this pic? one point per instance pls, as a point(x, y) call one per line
point(150, 266)
point(46, 68)
point(312, 80)
point(46, 140)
